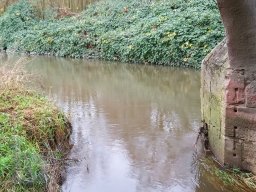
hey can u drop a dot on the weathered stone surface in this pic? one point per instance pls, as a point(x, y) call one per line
point(250, 93)
point(248, 158)
point(233, 151)
point(235, 87)
point(228, 99)
point(212, 96)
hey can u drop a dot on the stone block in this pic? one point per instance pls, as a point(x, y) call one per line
point(248, 159)
point(235, 85)
point(250, 95)
point(233, 152)
point(240, 123)
point(251, 136)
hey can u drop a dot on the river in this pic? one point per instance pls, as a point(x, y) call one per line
point(134, 126)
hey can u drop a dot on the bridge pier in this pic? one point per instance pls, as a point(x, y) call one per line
point(228, 92)
point(228, 99)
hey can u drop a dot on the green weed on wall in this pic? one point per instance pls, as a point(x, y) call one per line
point(177, 33)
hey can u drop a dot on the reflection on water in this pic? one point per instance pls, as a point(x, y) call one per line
point(134, 126)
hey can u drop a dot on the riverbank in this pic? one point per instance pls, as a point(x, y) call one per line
point(34, 137)
point(175, 33)
point(230, 177)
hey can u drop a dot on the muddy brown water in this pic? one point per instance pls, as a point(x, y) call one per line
point(134, 126)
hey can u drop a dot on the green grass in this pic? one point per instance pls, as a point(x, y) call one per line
point(233, 177)
point(176, 33)
point(34, 136)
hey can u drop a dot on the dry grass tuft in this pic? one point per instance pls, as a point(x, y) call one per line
point(13, 77)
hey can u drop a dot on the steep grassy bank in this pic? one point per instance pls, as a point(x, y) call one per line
point(178, 32)
point(34, 137)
